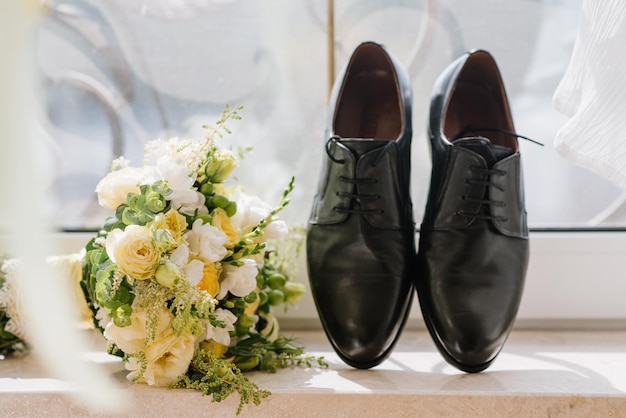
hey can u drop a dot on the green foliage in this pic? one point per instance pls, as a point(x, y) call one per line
point(269, 355)
point(103, 285)
point(220, 379)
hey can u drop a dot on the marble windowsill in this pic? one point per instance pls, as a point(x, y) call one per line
point(539, 373)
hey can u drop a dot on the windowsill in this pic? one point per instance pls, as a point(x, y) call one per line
point(539, 373)
point(574, 281)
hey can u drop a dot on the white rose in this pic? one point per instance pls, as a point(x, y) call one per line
point(221, 335)
point(113, 189)
point(238, 280)
point(133, 251)
point(207, 241)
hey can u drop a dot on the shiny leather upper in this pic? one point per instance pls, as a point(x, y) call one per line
point(473, 249)
point(360, 239)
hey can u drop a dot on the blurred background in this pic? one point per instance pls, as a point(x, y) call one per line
point(115, 74)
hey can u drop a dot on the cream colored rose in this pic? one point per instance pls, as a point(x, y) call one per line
point(167, 358)
point(133, 251)
point(167, 355)
point(113, 189)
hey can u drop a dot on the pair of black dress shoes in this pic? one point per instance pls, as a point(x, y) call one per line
point(473, 243)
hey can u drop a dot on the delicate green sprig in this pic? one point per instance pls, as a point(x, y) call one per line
point(271, 355)
point(247, 245)
point(219, 378)
point(220, 125)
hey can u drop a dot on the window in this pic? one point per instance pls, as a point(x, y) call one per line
point(117, 74)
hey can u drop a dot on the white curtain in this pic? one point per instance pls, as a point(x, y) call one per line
point(593, 92)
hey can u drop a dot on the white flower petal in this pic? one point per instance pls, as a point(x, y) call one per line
point(239, 281)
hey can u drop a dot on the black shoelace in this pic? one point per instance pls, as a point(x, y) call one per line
point(355, 197)
point(488, 173)
point(469, 129)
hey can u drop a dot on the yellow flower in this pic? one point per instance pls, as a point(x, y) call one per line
point(214, 347)
point(221, 220)
point(220, 189)
point(272, 329)
point(173, 221)
point(209, 281)
point(133, 251)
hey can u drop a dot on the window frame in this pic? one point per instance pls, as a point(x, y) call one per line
point(573, 281)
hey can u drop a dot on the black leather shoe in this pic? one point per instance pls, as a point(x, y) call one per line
point(361, 235)
point(473, 247)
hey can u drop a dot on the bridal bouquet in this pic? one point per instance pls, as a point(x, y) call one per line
point(12, 329)
point(183, 279)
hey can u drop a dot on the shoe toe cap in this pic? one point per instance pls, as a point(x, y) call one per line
point(363, 317)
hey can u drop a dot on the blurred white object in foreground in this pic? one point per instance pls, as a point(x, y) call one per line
point(24, 218)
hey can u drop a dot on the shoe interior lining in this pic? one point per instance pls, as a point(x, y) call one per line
point(479, 101)
point(369, 103)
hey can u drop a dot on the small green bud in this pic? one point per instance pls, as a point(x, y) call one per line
point(220, 201)
point(245, 321)
point(167, 274)
point(231, 209)
point(250, 297)
point(206, 189)
point(246, 363)
point(276, 297)
point(276, 281)
point(260, 281)
point(206, 218)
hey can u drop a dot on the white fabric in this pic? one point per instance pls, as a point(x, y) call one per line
point(593, 92)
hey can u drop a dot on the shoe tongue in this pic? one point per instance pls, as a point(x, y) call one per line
point(359, 146)
point(482, 146)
